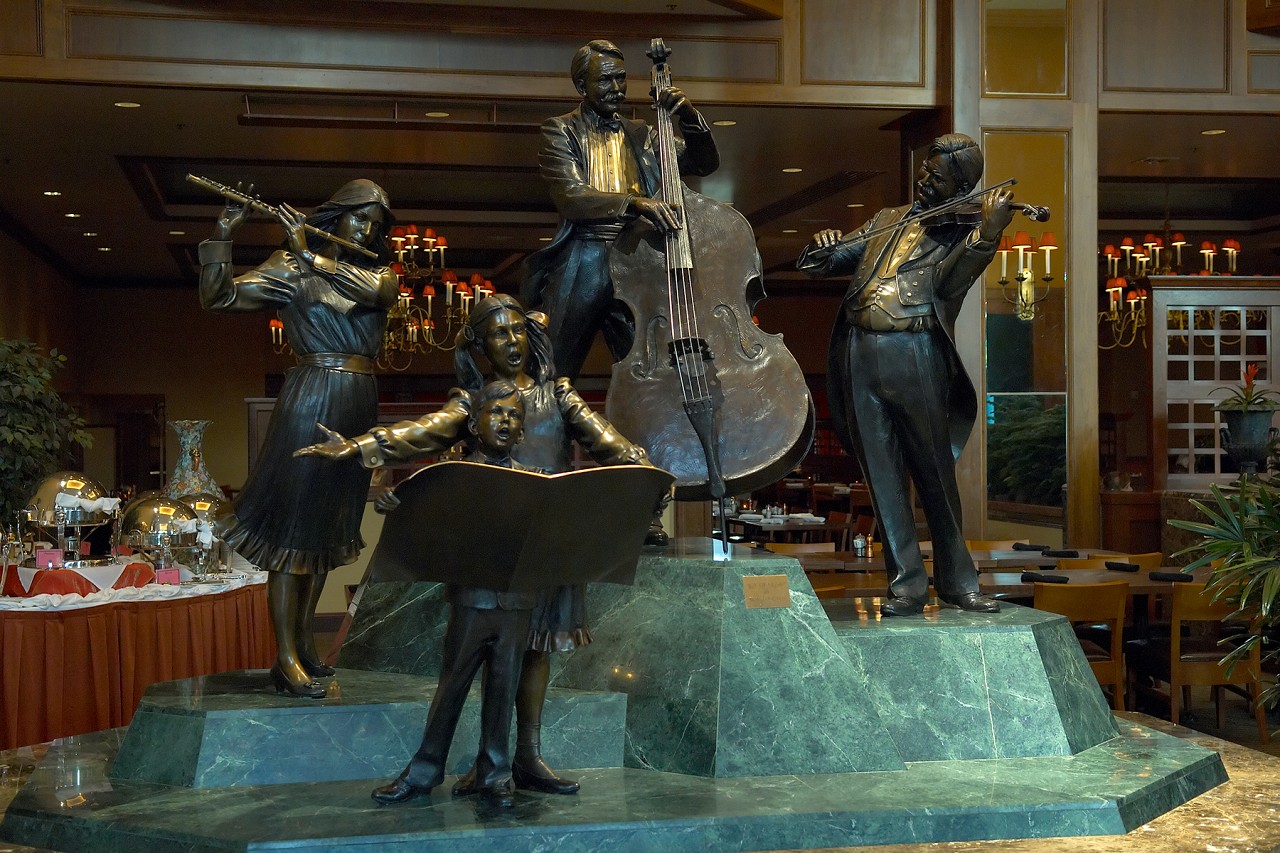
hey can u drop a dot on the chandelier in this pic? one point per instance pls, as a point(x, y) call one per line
point(1026, 293)
point(1127, 278)
point(432, 306)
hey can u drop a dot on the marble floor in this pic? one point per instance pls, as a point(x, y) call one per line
point(1239, 816)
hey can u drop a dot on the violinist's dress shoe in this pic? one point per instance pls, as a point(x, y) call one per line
point(974, 602)
point(900, 605)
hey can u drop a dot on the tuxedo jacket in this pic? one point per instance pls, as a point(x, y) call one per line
point(563, 164)
point(941, 266)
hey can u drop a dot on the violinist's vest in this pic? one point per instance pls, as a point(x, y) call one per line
point(896, 299)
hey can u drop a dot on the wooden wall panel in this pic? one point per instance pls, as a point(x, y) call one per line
point(869, 43)
point(97, 35)
point(1264, 73)
point(20, 28)
point(1165, 45)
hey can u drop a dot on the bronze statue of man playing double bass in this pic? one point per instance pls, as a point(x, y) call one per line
point(602, 173)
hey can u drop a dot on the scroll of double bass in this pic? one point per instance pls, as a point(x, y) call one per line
point(714, 400)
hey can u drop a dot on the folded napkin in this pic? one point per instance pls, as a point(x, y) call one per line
point(1175, 577)
point(1023, 546)
point(750, 516)
point(204, 536)
point(1117, 566)
point(67, 501)
point(1049, 552)
point(1041, 577)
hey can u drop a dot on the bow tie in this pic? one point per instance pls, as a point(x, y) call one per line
point(610, 123)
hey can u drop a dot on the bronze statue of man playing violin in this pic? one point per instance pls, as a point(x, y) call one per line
point(901, 401)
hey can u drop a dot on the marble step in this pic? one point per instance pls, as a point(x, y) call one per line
point(233, 729)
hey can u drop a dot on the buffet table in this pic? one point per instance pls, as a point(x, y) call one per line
point(71, 664)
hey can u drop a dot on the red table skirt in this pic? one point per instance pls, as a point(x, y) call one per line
point(66, 581)
point(67, 672)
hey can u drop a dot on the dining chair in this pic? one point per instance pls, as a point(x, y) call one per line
point(1093, 604)
point(1193, 660)
point(842, 535)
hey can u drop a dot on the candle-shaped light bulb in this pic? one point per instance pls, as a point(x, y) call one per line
point(1048, 242)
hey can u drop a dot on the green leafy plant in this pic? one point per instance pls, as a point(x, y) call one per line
point(1247, 396)
point(1027, 452)
point(1240, 539)
point(39, 431)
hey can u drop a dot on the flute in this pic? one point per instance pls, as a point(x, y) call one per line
point(251, 202)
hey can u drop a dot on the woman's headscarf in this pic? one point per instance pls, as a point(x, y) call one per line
point(354, 194)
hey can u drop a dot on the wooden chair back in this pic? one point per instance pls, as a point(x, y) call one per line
point(801, 547)
point(1095, 603)
point(1199, 665)
point(1148, 561)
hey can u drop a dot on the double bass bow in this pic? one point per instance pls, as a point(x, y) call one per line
point(714, 400)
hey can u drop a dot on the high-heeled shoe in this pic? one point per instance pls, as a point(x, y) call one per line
point(307, 690)
point(316, 668)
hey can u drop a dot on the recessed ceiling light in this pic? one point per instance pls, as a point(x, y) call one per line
point(724, 122)
point(437, 114)
point(52, 192)
point(856, 204)
point(104, 248)
point(544, 239)
point(789, 231)
point(127, 105)
point(176, 233)
point(91, 234)
point(792, 170)
point(1212, 132)
point(71, 215)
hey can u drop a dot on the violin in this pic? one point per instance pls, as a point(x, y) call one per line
point(962, 210)
point(715, 400)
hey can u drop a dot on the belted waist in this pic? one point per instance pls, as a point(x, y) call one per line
point(606, 231)
point(874, 319)
point(346, 362)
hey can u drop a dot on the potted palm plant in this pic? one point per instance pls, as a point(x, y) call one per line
point(1246, 414)
point(1240, 539)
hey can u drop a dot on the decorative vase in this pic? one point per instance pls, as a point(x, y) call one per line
point(1246, 437)
point(189, 475)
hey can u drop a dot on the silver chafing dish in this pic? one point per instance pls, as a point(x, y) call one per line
point(152, 524)
point(205, 505)
point(55, 513)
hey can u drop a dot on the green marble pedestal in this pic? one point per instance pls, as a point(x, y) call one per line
point(746, 729)
point(715, 688)
point(232, 729)
point(956, 685)
point(70, 804)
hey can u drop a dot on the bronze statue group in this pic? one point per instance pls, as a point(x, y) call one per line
point(900, 400)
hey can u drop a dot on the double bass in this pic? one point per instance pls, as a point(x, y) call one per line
point(715, 400)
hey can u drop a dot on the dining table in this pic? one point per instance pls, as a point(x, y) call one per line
point(774, 530)
point(1014, 585)
point(984, 560)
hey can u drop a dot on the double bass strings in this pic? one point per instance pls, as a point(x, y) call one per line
point(680, 289)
